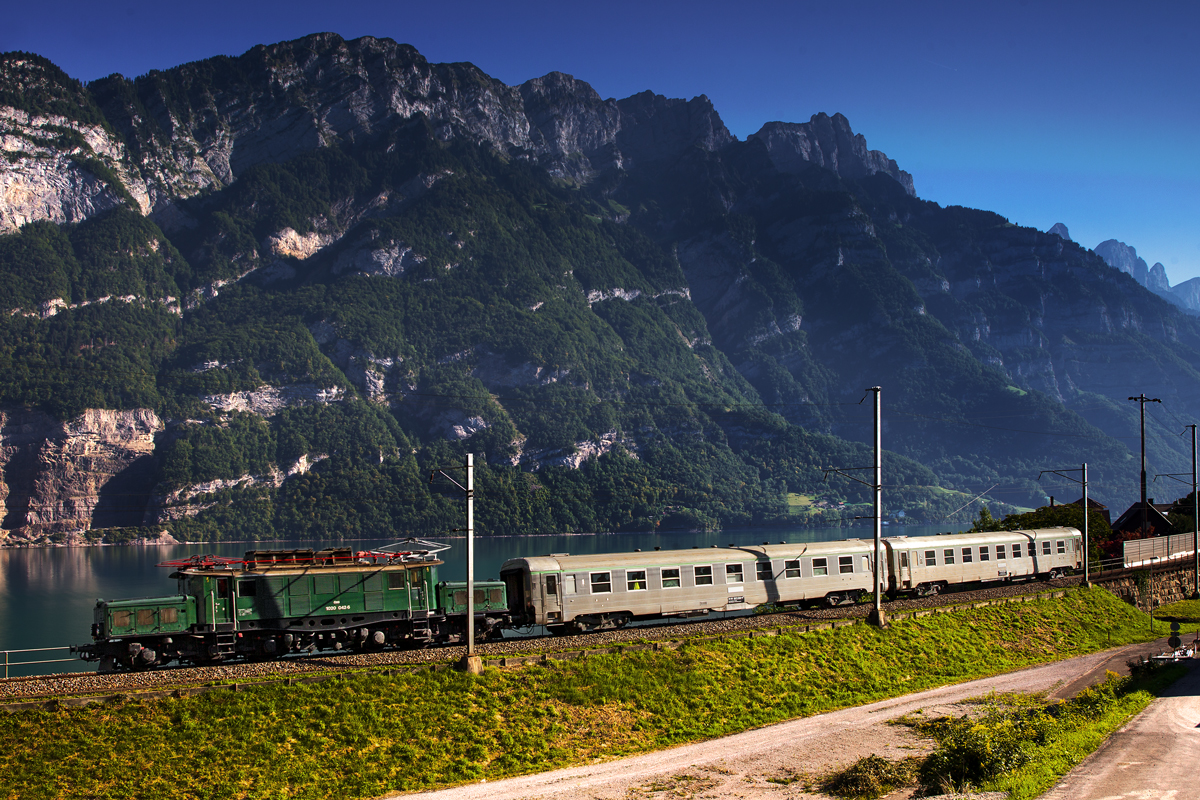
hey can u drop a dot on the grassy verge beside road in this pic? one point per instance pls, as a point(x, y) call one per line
point(366, 735)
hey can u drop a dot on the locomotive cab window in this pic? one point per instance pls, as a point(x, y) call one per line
point(247, 588)
point(223, 583)
point(395, 580)
point(704, 576)
point(820, 566)
point(966, 554)
point(733, 573)
point(984, 554)
point(845, 564)
point(670, 578)
point(948, 556)
point(931, 558)
point(791, 569)
point(635, 580)
point(601, 582)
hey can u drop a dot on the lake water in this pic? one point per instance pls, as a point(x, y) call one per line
point(47, 595)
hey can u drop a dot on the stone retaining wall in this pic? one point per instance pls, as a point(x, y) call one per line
point(1148, 589)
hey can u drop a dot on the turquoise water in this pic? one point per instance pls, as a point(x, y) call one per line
point(47, 595)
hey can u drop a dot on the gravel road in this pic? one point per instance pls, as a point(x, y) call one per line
point(782, 761)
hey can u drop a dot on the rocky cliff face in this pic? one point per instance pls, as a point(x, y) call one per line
point(828, 142)
point(60, 479)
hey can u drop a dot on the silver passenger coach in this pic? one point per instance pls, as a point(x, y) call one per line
point(927, 564)
point(609, 590)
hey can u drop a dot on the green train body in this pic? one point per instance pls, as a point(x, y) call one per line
point(275, 602)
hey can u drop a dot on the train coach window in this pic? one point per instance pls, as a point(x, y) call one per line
point(122, 619)
point(791, 569)
point(247, 588)
point(145, 617)
point(551, 584)
point(904, 560)
point(601, 582)
point(966, 554)
point(948, 556)
point(568, 584)
point(1062, 546)
point(984, 554)
point(845, 564)
point(168, 616)
point(763, 571)
point(733, 573)
point(931, 558)
point(1046, 548)
point(670, 578)
point(820, 566)
point(1016, 551)
point(1000, 552)
point(635, 580)
point(704, 576)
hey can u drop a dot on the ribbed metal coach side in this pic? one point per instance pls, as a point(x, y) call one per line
point(608, 590)
point(927, 564)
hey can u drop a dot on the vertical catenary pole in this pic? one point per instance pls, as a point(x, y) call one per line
point(470, 554)
point(877, 483)
point(1087, 554)
point(1195, 523)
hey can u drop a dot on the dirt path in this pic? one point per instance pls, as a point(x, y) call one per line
point(783, 761)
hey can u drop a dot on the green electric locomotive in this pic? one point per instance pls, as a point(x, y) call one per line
point(274, 602)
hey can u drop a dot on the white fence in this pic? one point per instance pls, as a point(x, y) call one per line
point(1154, 551)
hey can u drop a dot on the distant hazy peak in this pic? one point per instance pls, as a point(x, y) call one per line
point(1157, 281)
point(1125, 258)
point(827, 142)
point(1060, 230)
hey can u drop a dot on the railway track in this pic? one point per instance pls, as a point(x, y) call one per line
point(78, 684)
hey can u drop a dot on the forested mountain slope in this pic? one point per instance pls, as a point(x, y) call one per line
point(263, 296)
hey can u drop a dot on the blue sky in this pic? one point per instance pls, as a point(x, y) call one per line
point(1081, 113)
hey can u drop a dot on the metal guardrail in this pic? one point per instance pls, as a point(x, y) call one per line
point(9, 663)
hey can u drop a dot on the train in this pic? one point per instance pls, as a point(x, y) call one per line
point(274, 602)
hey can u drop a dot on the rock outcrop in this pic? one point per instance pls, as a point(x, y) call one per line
point(61, 479)
point(828, 142)
point(1060, 231)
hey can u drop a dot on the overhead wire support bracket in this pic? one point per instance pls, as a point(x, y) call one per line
point(1083, 481)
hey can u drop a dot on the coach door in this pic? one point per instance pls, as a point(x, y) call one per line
point(905, 574)
point(552, 597)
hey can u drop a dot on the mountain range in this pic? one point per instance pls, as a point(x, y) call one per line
point(264, 296)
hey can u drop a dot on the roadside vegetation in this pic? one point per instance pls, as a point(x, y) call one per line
point(369, 734)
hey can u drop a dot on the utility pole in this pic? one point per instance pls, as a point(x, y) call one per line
point(1195, 514)
point(878, 481)
point(471, 662)
point(1087, 554)
point(1142, 400)
point(877, 616)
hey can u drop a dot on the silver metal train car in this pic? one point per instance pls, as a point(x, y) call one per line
point(594, 592)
